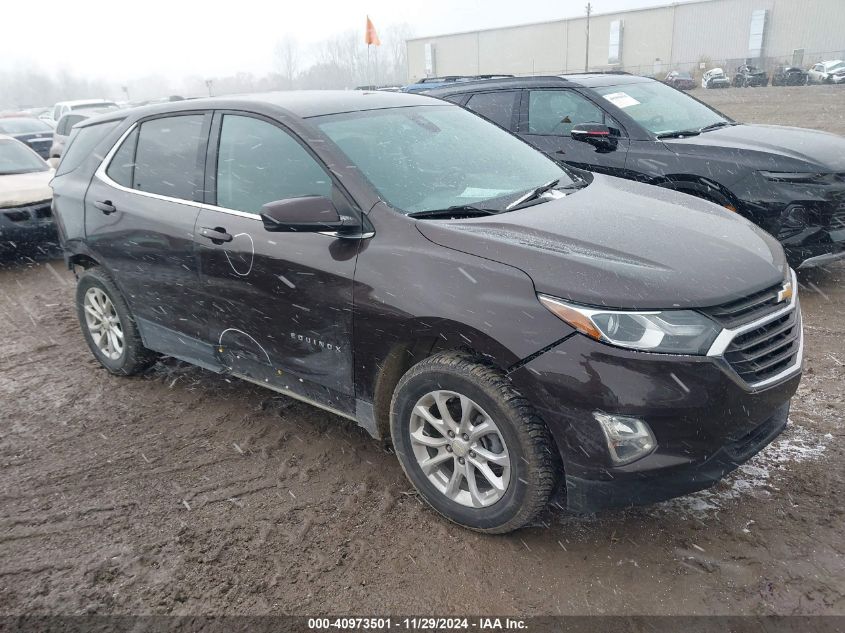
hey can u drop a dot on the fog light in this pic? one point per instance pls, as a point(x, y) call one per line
point(628, 439)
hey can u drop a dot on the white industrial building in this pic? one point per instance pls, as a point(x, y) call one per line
point(685, 36)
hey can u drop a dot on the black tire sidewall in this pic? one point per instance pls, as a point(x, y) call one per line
point(491, 517)
point(129, 360)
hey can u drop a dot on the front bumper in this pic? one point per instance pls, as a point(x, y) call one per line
point(706, 420)
point(590, 495)
point(818, 237)
point(27, 224)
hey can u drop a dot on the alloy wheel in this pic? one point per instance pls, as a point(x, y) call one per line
point(103, 323)
point(460, 449)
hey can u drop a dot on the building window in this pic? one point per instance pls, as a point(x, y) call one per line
point(614, 50)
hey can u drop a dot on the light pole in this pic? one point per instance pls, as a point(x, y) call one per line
point(587, 51)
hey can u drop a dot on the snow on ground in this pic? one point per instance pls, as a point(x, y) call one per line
point(757, 477)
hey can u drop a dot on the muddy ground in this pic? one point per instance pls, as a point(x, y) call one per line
point(182, 491)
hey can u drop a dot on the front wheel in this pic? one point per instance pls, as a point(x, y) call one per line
point(108, 326)
point(473, 447)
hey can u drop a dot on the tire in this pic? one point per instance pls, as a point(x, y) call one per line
point(521, 451)
point(120, 351)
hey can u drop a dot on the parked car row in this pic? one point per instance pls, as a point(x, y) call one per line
point(748, 75)
point(508, 320)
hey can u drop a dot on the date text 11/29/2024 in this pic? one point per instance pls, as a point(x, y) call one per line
point(417, 624)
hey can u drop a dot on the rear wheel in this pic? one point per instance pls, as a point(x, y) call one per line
point(108, 326)
point(471, 445)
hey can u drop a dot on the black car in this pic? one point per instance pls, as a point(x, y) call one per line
point(403, 263)
point(680, 79)
point(787, 180)
point(748, 76)
point(790, 76)
point(34, 132)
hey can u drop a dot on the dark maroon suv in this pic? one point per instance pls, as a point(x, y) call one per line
point(508, 323)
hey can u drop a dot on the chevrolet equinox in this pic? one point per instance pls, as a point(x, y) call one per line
point(506, 321)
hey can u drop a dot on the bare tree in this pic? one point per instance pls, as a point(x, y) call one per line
point(396, 48)
point(287, 59)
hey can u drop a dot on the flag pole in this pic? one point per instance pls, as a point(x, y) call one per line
point(368, 66)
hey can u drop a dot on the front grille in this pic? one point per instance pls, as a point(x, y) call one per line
point(837, 220)
point(765, 351)
point(747, 309)
point(41, 210)
point(744, 447)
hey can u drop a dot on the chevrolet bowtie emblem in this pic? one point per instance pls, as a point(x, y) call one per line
point(785, 293)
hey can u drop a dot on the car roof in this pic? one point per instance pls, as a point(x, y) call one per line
point(587, 80)
point(301, 103)
point(83, 102)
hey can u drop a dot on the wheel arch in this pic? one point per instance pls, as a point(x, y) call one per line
point(700, 187)
point(423, 340)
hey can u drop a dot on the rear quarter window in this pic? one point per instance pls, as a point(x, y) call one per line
point(495, 106)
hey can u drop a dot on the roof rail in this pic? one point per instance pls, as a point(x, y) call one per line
point(598, 72)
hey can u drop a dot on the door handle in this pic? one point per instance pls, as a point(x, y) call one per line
point(105, 206)
point(217, 234)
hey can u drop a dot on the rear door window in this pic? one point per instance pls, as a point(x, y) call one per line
point(556, 112)
point(496, 106)
point(258, 162)
point(168, 155)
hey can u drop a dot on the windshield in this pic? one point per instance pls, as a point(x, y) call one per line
point(836, 65)
point(659, 108)
point(23, 126)
point(17, 158)
point(434, 157)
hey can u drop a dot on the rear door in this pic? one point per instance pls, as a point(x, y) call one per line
point(279, 304)
point(140, 212)
point(547, 117)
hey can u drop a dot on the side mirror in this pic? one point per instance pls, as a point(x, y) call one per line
point(601, 136)
point(308, 214)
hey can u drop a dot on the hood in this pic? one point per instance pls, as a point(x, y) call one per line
point(19, 189)
point(769, 147)
point(622, 244)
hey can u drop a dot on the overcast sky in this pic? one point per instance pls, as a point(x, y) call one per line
point(118, 40)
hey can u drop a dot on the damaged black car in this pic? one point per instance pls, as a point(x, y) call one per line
point(790, 76)
point(748, 76)
point(790, 181)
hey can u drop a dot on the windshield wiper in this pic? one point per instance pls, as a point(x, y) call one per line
point(679, 134)
point(456, 211)
point(716, 125)
point(533, 194)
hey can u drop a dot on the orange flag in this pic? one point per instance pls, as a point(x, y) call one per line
point(371, 37)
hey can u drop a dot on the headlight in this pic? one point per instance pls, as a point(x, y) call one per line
point(813, 178)
point(667, 331)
